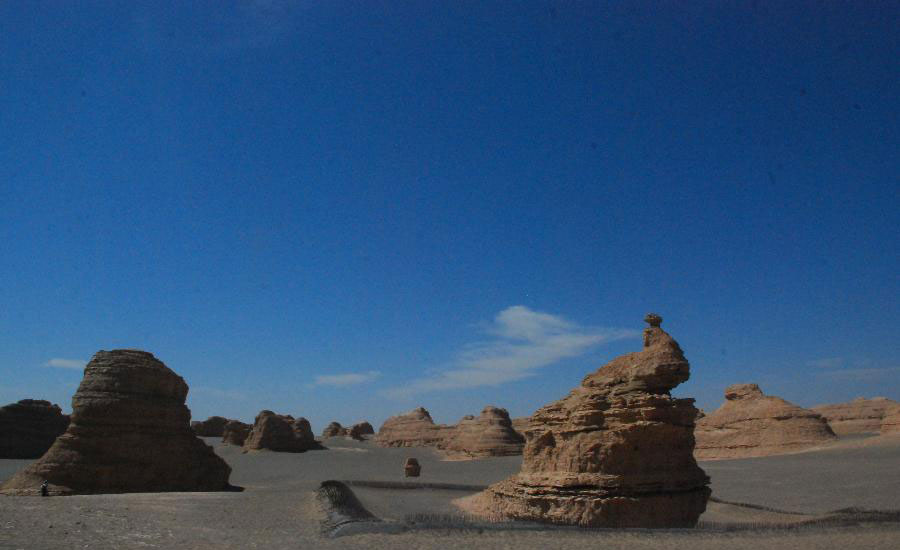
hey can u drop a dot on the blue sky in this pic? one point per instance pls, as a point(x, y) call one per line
point(346, 210)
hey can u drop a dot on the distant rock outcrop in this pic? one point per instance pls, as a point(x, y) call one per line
point(211, 427)
point(235, 433)
point(359, 430)
point(890, 423)
point(858, 416)
point(130, 432)
point(333, 430)
point(752, 424)
point(488, 434)
point(29, 427)
point(616, 452)
point(412, 429)
point(281, 433)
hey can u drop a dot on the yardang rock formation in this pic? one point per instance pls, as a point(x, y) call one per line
point(411, 429)
point(858, 416)
point(616, 452)
point(235, 432)
point(282, 433)
point(333, 429)
point(752, 424)
point(29, 427)
point(129, 433)
point(890, 424)
point(213, 426)
point(488, 434)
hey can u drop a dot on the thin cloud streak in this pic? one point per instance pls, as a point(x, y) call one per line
point(348, 379)
point(523, 341)
point(58, 363)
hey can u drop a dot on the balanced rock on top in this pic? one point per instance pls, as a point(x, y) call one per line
point(752, 424)
point(616, 452)
point(130, 432)
point(488, 434)
point(281, 433)
point(411, 429)
point(29, 427)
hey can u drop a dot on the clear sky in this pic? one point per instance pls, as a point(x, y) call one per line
point(346, 210)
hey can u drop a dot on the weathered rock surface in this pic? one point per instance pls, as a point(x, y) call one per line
point(333, 430)
point(890, 423)
point(412, 429)
point(282, 433)
point(359, 430)
point(858, 416)
point(489, 434)
point(412, 468)
point(29, 427)
point(235, 433)
point(130, 432)
point(616, 452)
point(211, 427)
point(752, 424)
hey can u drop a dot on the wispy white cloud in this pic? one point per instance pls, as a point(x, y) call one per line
point(60, 363)
point(348, 379)
point(826, 363)
point(522, 341)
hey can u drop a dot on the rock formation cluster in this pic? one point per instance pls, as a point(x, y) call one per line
point(29, 427)
point(282, 433)
point(616, 452)
point(130, 432)
point(489, 434)
point(213, 426)
point(235, 433)
point(858, 416)
point(752, 424)
point(890, 423)
point(412, 429)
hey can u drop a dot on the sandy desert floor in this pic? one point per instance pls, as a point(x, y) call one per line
point(279, 507)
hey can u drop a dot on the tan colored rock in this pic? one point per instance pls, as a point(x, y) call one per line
point(333, 429)
point(488, 434)
point(616, 452)
point(130, 433)
point(412, 429)
point(29, 427)
point(412, 468)
point(858, 416)
point(211, 427)
point(752, 424)
point(520, 424)
point(281, 433)
point(235, 433)
point(890, 423)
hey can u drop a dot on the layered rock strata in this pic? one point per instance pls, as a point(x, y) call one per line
point(282, 433)
point(750, 423)
point(235, 433)
point(616, 452)
point(130, 432)
point(858, 416)
point(29, 427)
point(489, 434)
point(890, 423)
point(213, 426)
point(412, 429)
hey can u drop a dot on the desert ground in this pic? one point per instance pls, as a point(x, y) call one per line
point(780, 501)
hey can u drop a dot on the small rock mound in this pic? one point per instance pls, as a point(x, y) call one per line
point(359, 430)
point(412, 429)
point(750, 423)
point(130, 433)
point(29, 427)
point(211, 427)
point(235, 433)
point(890, 423)
point(858, 416)
point(616, 452)
point(489, 434)
point(282, 433)
point(333, 430)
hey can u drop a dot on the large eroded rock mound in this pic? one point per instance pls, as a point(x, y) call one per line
point(130, 433)
point(412, 429)
point(333, 429)
point(235, 433)
point(858, 416)
point(359, 430)
point(752, 424)
point(616, 452)
point(213, 426)
point(29, 427)
point(890, 423)
point(282, 433)
point(489, 434)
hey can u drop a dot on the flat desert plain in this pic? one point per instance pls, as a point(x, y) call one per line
point(782, 502)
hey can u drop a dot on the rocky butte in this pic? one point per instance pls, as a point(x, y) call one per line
point(616, 452)
point(29, 427)
point(333, 429)
point(752, 424)
point(213, 426)
point(858, 416)
point(282, 433)
point(130, 433)
point(235, 432)
point(890, 424)
point(412, 429)
point(489, 434)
